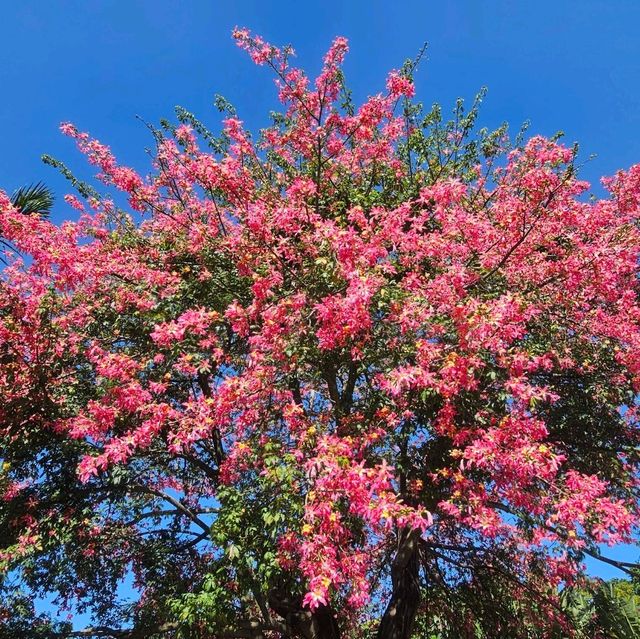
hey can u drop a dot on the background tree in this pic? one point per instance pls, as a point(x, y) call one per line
point(605, 609)
point(31, 200)
point(371, 373)
point(34, 198)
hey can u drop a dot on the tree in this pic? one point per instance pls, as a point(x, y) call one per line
point(610, 609)
point(369, 375)
point(34, 198)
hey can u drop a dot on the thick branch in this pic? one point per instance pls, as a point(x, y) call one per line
point(300, 622)
point(398, 619)
point(174, 502)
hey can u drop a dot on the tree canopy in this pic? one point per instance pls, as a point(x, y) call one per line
point(372, 373)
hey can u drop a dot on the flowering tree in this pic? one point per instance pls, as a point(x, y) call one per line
point(370, 375)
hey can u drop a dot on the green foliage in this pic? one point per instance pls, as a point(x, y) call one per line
point(32, 199)
point(611, 610)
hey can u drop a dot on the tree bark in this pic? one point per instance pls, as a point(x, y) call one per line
point(303, 623)
point(399, 617)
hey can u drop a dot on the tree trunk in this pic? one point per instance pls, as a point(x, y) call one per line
point(303, 623)
point(398, 619)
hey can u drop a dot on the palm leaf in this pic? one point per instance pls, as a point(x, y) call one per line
point(611, 610)
point(35, 198)
point(577, 603)
point(617, 615)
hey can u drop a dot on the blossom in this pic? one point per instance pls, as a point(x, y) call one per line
point(324, 355)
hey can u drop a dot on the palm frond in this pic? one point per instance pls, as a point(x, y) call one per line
point(610, 610)
point(617, 614)
point(34, 198)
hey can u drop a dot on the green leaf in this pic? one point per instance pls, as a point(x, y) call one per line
point(33, 199)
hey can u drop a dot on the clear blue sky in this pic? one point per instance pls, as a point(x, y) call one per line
point(569, 65)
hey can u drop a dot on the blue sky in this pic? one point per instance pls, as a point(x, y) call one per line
point(564, 65)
